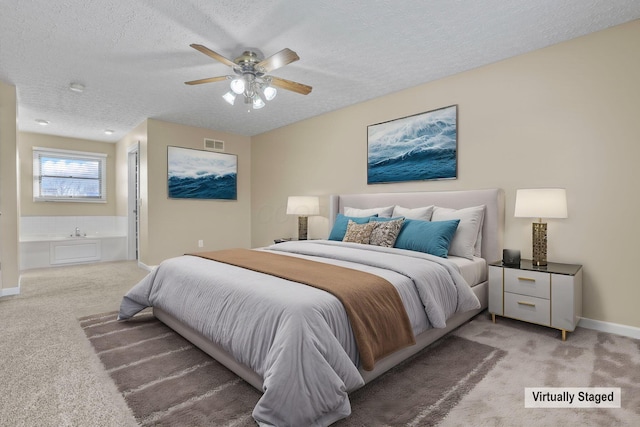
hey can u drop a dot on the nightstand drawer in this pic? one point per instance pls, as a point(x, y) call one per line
point(532, 283)
point(530, 309)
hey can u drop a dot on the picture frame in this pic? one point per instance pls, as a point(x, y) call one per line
point(414, 148)
point(201, 174)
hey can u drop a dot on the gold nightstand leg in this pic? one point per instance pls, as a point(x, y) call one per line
point(564, 335)
point(493, 317)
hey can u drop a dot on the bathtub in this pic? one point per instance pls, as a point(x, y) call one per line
point(37, 251)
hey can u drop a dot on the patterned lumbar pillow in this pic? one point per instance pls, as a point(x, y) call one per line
point(358, 233)
point(385, 233)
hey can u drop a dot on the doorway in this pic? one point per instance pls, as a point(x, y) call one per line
point(133, 201)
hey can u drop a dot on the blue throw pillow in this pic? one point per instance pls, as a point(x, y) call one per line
point(340, 225)
point(431, 237)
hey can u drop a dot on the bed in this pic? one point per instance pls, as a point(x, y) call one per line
point(290, 341)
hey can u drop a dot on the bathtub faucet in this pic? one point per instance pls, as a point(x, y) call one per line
point(77, 231)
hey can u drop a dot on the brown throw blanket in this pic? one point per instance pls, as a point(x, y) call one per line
point(379, 321)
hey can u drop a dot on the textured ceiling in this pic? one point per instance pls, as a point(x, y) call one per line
point(133, 56)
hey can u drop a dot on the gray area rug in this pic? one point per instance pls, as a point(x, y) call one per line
point(166, 381)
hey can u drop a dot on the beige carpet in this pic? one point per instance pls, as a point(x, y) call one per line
point(537, 357)
point(51, 376)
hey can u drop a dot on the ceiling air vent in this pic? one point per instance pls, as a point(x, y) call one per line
point(213, 144)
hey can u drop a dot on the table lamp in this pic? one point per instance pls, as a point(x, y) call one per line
point(303, 206)
point(540, 203)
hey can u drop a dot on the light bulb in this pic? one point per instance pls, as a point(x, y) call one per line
point(237, 85)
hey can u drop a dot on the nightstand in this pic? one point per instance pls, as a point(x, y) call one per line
point(549, 296)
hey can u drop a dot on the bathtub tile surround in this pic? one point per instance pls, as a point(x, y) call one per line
point(51, 240)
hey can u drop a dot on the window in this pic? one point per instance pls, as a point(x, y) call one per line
point(68, 176)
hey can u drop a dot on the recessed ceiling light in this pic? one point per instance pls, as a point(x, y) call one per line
point(109, 131)
point(42, 122)
point(76, 87)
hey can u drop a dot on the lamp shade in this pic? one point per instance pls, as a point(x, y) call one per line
point(303, 205)
point(230, 97)
point(237, 85)
point(541, 203)
point(270, 92)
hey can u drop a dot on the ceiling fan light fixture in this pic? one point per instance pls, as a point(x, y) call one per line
point(230, 97)
point(252, 80)
point(270, 92)
point(237, 85)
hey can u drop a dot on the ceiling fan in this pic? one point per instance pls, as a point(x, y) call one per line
point(251, 79)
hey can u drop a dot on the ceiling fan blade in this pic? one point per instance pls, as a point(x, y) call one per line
point(208, 80)
point(213, 54)
point(292, 86)
point(277, 60)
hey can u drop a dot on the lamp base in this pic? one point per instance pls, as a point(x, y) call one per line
point(302, 228)
point(539, 239)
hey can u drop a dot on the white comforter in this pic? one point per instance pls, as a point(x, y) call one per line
point(297, 337)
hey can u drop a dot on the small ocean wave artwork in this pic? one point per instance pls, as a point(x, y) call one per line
point(199, 174)
point(414, 148)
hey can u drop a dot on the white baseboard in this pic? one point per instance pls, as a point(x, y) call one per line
point(5, 292)
point(613, 328)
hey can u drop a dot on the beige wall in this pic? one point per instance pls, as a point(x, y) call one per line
point(9, 220)
point(174, 226)
point(564, 116)
point(30, 208)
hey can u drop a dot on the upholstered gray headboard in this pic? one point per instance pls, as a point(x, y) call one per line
point(493, 199)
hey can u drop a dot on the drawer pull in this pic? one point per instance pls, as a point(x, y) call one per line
point(529, 304)
point(527, 279)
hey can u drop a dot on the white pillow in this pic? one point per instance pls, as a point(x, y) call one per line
point(469, 229)
point(382, 212)
point(423, 214)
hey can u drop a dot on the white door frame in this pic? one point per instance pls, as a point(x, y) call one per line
point(133, 180)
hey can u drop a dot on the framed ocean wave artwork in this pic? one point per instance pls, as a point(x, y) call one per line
point(415, 148)
point(199, 174)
